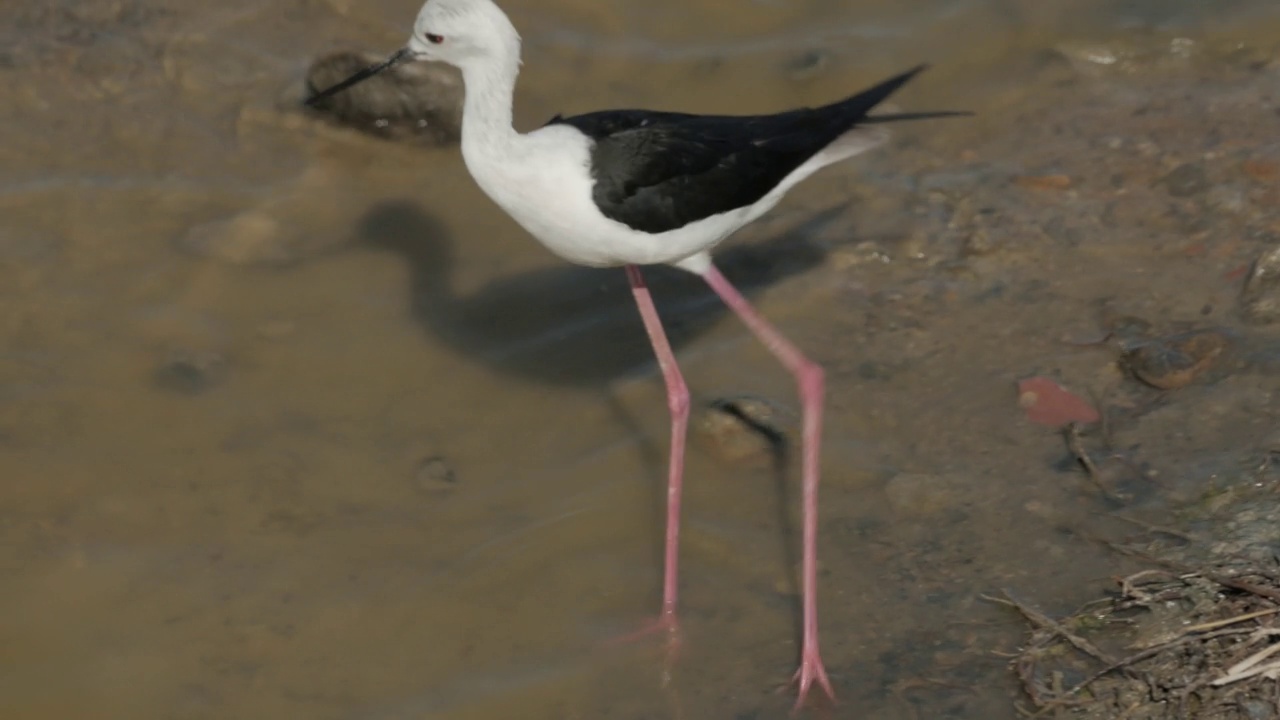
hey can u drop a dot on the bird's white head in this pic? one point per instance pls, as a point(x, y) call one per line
point(464, 33)
point(473, 35)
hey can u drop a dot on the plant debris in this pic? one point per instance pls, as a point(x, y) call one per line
point(1177, 642)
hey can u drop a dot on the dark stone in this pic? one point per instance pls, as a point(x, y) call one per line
point(807, 64)
point(191, 372)
point(1186, 180)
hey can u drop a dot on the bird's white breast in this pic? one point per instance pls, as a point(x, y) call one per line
point(545, 184)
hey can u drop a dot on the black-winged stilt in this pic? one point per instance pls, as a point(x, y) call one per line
point(635, 187)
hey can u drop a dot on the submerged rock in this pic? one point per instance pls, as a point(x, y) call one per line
point(742, 429)
point(413, 101)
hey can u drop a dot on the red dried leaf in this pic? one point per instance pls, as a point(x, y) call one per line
point(1238, 272)
point(1048, 403)
point(1044, 182)
point(1261, 170)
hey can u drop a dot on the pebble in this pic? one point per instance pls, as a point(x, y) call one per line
point(417, 102)
point(1255, 709)
point(1225, 198)
point(1260, 299)
point(1127, 327)
point(1186, 180)
point(980, 243)
point(863, 253)
point(807, 64)
point(435, 476)
point(1087, 57)
point(191, 372)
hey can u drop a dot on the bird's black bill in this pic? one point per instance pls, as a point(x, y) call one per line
point(361, 76)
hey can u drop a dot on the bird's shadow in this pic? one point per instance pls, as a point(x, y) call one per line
point(570, 325)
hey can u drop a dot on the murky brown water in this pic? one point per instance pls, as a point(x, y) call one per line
point(213, 499)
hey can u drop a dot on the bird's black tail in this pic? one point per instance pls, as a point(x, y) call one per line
point(859, 105)
point(899, 117)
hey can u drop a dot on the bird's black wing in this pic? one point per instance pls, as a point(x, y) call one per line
point(657, 171)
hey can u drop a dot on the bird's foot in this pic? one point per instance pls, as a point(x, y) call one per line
point(665, 624)
point(811, 671)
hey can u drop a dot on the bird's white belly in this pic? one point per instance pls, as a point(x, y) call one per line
point(580, 233)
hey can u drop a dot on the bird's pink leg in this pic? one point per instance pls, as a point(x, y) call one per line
point(678, 404)
point(810, 379)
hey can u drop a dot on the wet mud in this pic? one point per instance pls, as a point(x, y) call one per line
point(295, 423)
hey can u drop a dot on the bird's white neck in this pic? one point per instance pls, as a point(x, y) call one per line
point(486, 111)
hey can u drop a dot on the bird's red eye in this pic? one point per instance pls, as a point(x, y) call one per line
point(435, 39)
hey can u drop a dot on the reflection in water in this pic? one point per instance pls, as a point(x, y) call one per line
point(570, 324)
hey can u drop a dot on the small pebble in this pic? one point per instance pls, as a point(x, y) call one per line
point(980, 242)
point(1087, 57)
point(860, 254)
point(434, 477)
point(1225, 198)
point(1186, 180)
point(1127, 327)
point(808, 64)
point(191, 372)
point(1255, 709)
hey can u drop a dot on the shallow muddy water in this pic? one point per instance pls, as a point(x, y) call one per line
point(382, 456)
